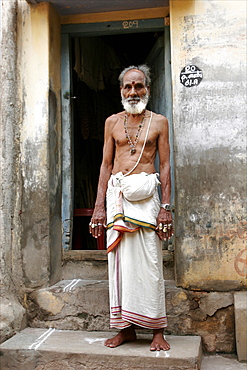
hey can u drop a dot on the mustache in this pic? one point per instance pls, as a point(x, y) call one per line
point(131, 99)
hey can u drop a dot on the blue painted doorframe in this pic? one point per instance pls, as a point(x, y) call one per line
point(67, 145)
point(98, 29)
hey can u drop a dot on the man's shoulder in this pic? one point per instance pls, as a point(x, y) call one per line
point(159, 117)
point(160, 121)
point(114, 117)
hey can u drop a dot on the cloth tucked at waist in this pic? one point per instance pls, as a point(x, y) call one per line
point(132, 202)
point(137, 186)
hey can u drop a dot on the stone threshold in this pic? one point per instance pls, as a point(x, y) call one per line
point(66, 349)
point(101, 255)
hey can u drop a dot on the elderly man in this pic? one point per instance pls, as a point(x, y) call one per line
point(136, 220)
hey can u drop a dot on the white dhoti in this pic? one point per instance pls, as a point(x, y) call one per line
point(135, 262)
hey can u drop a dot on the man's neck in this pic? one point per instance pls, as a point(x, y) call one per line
point(131, 115)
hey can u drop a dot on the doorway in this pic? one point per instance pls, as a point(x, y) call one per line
point(95, 64)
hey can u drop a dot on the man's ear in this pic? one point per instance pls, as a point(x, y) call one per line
point(121, 88)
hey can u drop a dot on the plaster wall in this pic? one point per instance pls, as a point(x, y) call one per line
point(12, 316)
point(39, 63)
point(210, 143)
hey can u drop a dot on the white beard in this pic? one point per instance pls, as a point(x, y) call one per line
point(135, 108)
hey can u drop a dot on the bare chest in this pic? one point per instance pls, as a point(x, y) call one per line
point(134, 136)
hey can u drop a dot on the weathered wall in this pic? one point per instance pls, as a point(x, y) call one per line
point(11, 277)
point(55, 134)
point(210, 143)
point(30, 165)
point(39, 46)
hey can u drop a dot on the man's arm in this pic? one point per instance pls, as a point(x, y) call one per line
point(99, 214)
point(164, 217)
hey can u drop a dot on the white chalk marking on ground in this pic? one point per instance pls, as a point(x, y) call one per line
point(74, 284)
point(91, 341)
point(41, 339)
point(68, 285)
point(159, 353)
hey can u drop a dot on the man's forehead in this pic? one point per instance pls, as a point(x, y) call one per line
point(133, 76)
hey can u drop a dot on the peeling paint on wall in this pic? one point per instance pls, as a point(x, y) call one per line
point(210, 143)
point(40, 143)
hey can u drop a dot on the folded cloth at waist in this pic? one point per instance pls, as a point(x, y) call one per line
point(137, 186)
point(132, 202)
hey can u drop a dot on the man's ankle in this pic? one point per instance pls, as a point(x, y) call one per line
point(158, 331)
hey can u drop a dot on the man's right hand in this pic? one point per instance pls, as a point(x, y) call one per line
point(97, 223)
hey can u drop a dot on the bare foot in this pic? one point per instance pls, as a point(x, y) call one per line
point(159, 342)
point(124, 335)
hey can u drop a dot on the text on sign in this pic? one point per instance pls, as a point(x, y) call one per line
point(130, 24)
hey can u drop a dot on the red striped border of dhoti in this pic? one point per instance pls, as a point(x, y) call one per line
point(123, 229)
point(131, 220)
point(115, 243)
point(116, 310)
point(144, 321)
point(119, 324)
point(139, 223)
point(126, 317)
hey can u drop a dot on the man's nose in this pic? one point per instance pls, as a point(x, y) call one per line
point(132, 91)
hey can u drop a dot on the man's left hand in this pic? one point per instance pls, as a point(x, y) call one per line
point(164, 226)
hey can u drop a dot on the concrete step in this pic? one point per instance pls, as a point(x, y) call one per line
point(84, 305)
point(36, 349)
point(93, 265)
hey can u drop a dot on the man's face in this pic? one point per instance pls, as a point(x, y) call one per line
point(134, 92)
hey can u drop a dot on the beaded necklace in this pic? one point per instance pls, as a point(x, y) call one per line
point(139, 130)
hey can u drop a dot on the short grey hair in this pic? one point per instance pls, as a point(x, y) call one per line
point(143, 68)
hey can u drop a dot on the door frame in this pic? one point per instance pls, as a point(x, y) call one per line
point(99, 29)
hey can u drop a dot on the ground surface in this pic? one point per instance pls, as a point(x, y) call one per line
point(222, 363)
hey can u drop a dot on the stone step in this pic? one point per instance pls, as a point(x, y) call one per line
point(93, 264)
point(78, 305)
point(84, 305)
point(71, 304)
point(61, 350)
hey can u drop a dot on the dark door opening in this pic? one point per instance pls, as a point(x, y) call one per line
point(97, 63)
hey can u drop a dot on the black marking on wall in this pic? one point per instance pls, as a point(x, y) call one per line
point(191, 76)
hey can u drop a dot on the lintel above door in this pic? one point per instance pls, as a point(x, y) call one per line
point(74, 7)
point(118, 27)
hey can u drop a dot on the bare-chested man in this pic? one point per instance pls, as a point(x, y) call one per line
point(136, 220)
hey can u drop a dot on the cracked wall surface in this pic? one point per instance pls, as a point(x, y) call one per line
point(30, 165)
point(210, 144)
point(11, 274)
point(39, 58)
